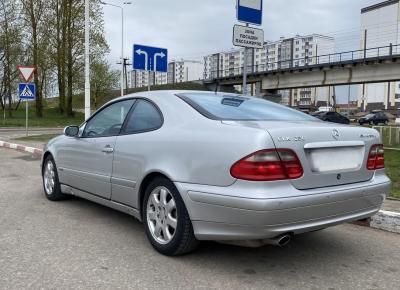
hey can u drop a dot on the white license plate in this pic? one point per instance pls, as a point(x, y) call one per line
point(335, 159)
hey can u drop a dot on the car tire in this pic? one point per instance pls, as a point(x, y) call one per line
point(51, 184)
point(166, 220)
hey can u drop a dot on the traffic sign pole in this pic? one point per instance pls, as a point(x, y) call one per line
point(244, 90)
point(26, 117)
point(148, 81)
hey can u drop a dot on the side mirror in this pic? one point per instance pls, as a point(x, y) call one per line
point(71, 131)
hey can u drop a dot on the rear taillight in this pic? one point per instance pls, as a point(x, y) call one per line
point(376, 158)
point(268, 165)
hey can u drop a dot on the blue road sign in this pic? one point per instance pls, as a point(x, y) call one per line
point(150, 58)
point(27, 91)
point(250, 11)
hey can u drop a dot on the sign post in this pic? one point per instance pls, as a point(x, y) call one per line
point(150, 59)
point(249, 12)
point(27, 91)
point(244, 89)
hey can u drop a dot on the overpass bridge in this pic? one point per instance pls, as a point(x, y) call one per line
point(373, 65)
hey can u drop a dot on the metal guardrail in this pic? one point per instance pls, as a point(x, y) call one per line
point(390, 135)
point(335, 58)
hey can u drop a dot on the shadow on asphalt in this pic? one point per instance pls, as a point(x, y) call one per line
point(308, 243)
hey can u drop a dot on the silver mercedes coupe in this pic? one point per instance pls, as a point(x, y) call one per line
point(196, 166)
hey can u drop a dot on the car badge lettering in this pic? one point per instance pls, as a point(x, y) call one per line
point(367, 136)
point(290, 139)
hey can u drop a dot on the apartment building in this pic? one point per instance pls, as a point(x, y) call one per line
point(178, 72)
point(283, 53)
point(382, 25)
point(139, 78)
point(227, 63)
point(185, 71)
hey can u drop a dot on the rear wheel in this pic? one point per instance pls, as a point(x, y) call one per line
point(167, 222)
point(51, 184)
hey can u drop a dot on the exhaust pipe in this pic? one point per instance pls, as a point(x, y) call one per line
point(280, 241)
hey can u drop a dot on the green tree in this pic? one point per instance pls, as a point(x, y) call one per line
point(11, 50)
point(102, 80)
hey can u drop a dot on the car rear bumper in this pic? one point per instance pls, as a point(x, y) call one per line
point(216, 215)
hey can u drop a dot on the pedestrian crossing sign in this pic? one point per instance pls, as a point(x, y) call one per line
point(27, 91)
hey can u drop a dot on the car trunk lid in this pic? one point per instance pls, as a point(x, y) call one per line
point(331, 154)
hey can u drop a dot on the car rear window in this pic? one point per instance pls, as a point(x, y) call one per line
point(241, 108)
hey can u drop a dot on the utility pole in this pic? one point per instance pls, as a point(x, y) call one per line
point(87, 61)
point(365, 43)
point(122, 52)
point(348, 98)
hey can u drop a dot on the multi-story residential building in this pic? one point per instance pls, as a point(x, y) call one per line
point(227, 63)
point(284, 53)
point(185, 71)
point(178, 72)
point(139, 78)
point(381, 25)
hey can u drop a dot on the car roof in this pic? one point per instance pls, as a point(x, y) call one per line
point(153, 95)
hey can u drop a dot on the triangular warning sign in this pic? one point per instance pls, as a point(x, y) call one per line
point(26, 72)
point(26, 92)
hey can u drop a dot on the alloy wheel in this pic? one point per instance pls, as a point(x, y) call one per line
point(49, 177)
point(162, 218)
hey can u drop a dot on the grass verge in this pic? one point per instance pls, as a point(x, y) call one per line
point(392, 164)
point(51, 118)
point(40, 138)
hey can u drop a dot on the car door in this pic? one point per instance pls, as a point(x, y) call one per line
point(133, 151)
point(86, 161)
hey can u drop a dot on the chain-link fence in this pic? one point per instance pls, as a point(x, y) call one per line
point(390, 135)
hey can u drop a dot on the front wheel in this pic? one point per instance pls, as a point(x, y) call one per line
point(51, 184)
point(168, 226)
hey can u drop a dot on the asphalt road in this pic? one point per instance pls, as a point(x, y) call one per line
point(80, 245)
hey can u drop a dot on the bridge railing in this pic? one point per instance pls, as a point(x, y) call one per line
point(334, 58)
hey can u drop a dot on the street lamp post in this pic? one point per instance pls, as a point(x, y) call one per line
point(122, 40)
point(87, 61)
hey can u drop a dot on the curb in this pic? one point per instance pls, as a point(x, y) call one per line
point(22, 148)
point(383, 220)
point(387, 221)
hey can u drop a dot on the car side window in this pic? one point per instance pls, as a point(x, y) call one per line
point(145, 117)
point(108, 122)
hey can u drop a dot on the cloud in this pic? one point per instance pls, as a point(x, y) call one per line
point(192, 28)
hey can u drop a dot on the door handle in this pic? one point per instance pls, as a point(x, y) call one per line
point(108, 149)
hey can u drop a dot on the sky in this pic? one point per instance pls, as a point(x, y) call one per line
point(191, 29)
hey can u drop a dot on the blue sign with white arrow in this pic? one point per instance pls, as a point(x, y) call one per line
point(150, 58)
point(27, 91)
point(250, 11)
